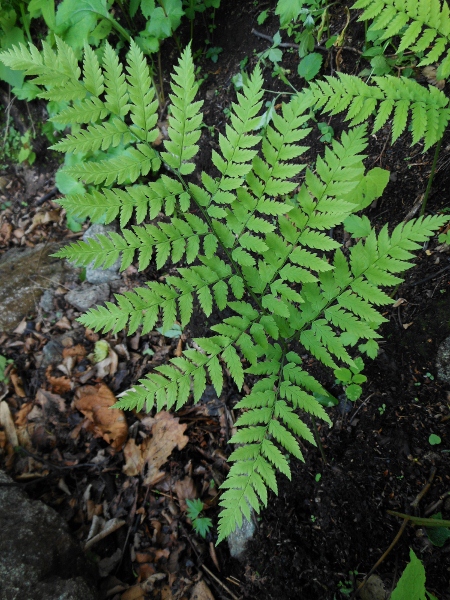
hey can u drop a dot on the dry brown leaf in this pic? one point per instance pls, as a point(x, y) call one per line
point(77, 351)
point(133, 593)
point(21, 418)
point(95, 403)
point(42, 218)
point(185, 488)
point(17, 383)
point(5, 233)
point(63, 323)
point(430, 73)
point(167, 433)
point(58, 385)
point(201, 591)
point(7, 422)
point(91, 336)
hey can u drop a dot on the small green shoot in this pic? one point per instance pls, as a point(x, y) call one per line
point(4, 362)
point(327, 132)
point(434, 439)
point(201, 524)
point(351, 379)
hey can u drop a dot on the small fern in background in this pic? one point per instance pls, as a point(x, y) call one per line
point(259, 247)
point(423, 25)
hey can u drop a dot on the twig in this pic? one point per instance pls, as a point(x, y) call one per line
point(269, 38)
point(400, 532)
point(46, 196)
point(414, 283)
point(219, 582)
point(360, 407)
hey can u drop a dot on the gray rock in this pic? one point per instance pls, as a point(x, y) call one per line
point(24, 274)
point(97, 276)
point(46, 302)
point(87, 296)
point(52, 353)
point(39, 560)
point(237, 541)
point(443, 361)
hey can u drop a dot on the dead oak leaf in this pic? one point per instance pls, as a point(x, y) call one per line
point(95, 403)
point(153, 452)
point(58, 385)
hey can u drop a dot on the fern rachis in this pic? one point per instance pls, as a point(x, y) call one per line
point(259, 248)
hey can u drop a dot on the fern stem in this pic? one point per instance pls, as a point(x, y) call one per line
point(161, 84)
point(431, 177)
point(318, 440)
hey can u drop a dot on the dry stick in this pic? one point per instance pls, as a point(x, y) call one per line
point(219, 582)
point(360, 407)
point(269, 38)
point(400, 532)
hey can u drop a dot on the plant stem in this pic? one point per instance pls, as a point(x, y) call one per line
point(317, 436)
point(431, 177)
point(161, 84)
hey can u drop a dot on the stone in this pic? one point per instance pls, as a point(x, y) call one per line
point(52, 353)
point(46, 302)
point(39, 559)
point(88, 295)
point(97, 276)
point(24, 275)
point(238, 540)
point(443, 361)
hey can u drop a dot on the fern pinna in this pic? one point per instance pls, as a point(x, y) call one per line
point(424, 27)
point(260, 249)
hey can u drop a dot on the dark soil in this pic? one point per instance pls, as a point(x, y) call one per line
point(328, 526)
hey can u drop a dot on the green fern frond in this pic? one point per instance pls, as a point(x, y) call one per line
point(392, 97)
point(427, 21)
point(252, 244)
point(185, 118)
point(104, 136)
point(128, 167)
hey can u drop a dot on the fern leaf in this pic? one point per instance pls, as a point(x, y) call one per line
point(95, 137)
point(142, 96)
point(115, 84)
point(133, 163)
point(92, 74)
point(390, 93)
point(184, 126)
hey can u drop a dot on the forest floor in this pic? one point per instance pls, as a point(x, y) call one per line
point(328, 526)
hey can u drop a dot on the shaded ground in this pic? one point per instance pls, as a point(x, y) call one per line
point(330, 521)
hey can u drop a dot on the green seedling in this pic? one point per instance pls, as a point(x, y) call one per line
point(351, 379)
point(201, 524)
point(4, 362)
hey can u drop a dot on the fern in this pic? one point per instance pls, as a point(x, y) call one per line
point(259, 246)
point(424, 27)
point(390, 97)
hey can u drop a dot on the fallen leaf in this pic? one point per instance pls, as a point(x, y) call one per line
point(42, 218)
point(17, 383)
point(133, 593)
point(430, 73)
point(406, 325)
point(185, 489)
point(95, 403)
point(5, 233)
point(167, 433)
point(201, 591)
point(21, 418)
point(7, 422)
point(58, 385)
point(77, 351)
